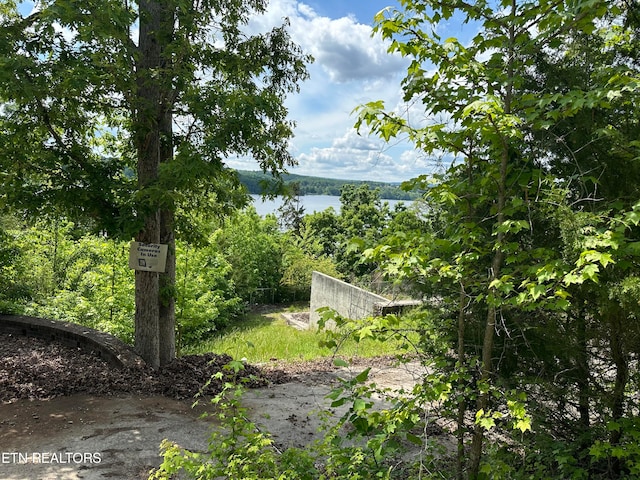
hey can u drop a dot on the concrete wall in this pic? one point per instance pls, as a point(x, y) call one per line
point(105, 346)
point(346, 299)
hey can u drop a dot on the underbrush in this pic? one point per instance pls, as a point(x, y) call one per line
point(364, 443)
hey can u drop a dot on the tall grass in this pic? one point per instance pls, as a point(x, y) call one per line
point(264, 337)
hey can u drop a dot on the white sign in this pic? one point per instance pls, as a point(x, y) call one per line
point(148, 257)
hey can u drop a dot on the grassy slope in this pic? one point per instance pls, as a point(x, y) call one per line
point(262, 337)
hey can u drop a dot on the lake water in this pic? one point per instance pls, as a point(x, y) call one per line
point(311, 203)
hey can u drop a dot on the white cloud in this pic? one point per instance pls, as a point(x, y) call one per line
point(352, 141)
point(342, 47)
point(346, 51)
point(307, 11)
point(351, 156)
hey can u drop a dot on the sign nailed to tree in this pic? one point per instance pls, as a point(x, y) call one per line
point(148, 257)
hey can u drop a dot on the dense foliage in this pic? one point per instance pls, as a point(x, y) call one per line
point(527, 254)
point(531, 257)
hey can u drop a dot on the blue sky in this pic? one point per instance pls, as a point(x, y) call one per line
point(363, 10)
point(351, 68)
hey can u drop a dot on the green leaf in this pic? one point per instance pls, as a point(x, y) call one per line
point(338, 402)
point(522, 424)
point(365, 332)
point(573, 278)
point(335, 393)
point(633, 217)
point(338, 362)
point(363, 376)
point(485, 421)
point(359, 405)
point(590, 272)
point(537, 290)
point(594, 256)
point(235, 365)
point(613, 426)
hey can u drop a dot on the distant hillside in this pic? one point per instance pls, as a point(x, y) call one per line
point(256, 182)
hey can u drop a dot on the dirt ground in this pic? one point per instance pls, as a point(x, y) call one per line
point(65, 415)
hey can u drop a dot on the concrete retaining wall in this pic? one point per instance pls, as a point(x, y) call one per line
point(346, 299)
point(107, 347)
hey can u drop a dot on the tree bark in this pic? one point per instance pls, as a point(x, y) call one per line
point(583, 384)
point(620, 359)
point(152, 113)
point(167, 303)
point(490, 323)
point(485, 376)
point(146, 322)
point(462, 404)
point(497, 261)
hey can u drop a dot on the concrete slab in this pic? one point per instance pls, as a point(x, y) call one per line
point(94, 438)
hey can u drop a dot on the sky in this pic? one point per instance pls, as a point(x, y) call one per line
point(351, 68)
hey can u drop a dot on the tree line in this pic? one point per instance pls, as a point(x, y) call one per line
point(259, 183)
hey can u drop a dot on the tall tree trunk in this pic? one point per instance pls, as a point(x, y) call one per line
point(152, 113)
point(582, 361)
point(490, 323)
point(146, 323)
point(167, 312)
point(462, 404)
point(167, 304)
point(583, 384)
point(485, 377)
point(498, 258)
point(462, 362)
point(620, 359)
